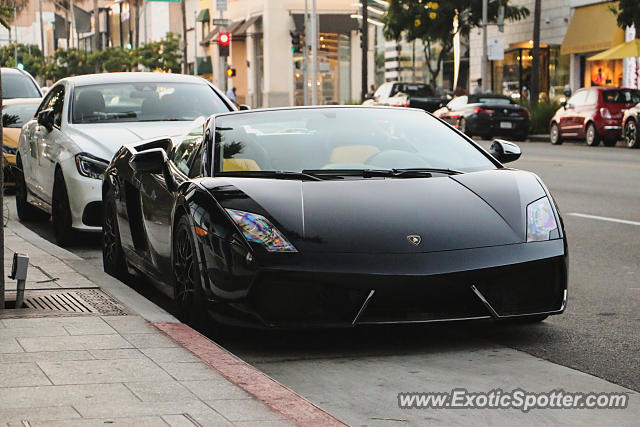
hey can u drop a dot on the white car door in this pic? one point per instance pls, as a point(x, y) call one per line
point(49, 145)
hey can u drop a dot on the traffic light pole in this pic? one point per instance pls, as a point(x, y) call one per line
point(305, 54)
point(484, 62)
point(365, 47)
point(314, 53)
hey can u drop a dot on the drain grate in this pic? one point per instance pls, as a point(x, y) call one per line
point(72, 301)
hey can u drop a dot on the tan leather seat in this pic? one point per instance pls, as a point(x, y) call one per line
point(352, 153)
point(235, 165)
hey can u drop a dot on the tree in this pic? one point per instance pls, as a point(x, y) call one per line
point(163, 55)
point(30, 54)
point(111, 60)
point(432, 23)
point(628, 15)
point(8, 9)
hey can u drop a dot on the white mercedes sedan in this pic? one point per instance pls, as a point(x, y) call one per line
point(82, 121)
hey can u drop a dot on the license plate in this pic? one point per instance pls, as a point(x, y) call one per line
point(506, 125)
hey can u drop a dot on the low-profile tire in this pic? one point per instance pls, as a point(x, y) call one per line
point(591, 135)
point(631, 134)
point(26, 211)
point(610, 141)
point(189, 299)
point(113, 259)
point(61, 212)
point(554, 134)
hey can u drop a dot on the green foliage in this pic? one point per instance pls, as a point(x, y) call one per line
point(31, 57)
point(432, 23)
point(163, 55)
point(67, 62)
point(628, 14)
point(540, 117)
point(111, 60)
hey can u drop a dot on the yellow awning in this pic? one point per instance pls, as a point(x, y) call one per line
point(625, 50)
point(592, 28)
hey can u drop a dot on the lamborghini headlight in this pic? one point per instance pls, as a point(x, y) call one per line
point(259, 229)
point(541, 221)
point(90, 166)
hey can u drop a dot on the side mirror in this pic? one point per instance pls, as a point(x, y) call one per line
point(45, 119)
point(244, 107)
point(151, 161)
point(564, 104)
point(504, 151)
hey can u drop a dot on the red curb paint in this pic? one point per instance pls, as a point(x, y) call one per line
point(267, 390)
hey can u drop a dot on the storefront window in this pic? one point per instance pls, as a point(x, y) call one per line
point(603, 73)
point(512, 76)
point(558, 72)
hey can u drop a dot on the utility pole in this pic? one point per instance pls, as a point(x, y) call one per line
point(185, 66)
point(534, 90)
point(365, 47)
point(314, 53)
point(73, 21)
point(485, 61)
point(97, 43)
point(41, 30)
point(195, 43)
point(305, 51)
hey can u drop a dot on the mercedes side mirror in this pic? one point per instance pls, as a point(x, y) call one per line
point(45, 119)
point(150, 161)
point(504, 151)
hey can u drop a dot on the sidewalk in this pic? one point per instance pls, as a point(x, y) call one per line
point(93, 351)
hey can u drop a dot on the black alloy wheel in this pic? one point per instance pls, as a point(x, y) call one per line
point(61, 212)
point(26, 211)
point(592, 137)
point(631, 137)
point(113, 260)
point(188, 296)
point(554, 134)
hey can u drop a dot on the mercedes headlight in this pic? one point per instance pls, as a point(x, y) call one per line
point(91, 166)
point(259, 229)
point(541, 221)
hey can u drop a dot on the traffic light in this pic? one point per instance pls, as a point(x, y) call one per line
point(224, 41)
point(231, 72)
point(20, 64)
point(296, 45)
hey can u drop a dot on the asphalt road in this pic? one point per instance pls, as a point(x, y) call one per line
point(350, 372)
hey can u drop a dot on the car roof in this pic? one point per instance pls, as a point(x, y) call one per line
point(320, 107)
point(18, 101)
point(107, 78)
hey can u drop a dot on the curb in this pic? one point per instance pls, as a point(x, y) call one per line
point(278, 397)
point(112, 286)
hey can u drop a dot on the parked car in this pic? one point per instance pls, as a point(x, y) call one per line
point(334, 216)
point(15, 113)
point(19, 84)
point(487, 115)
point(414, 95)
point(82, 121)
point(630, 123)
point(593, 114)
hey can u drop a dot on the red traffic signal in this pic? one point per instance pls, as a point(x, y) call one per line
point(224, 38)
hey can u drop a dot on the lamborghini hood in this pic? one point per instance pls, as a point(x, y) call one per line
point(389, 215)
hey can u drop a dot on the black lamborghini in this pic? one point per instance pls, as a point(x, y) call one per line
point(334, 216)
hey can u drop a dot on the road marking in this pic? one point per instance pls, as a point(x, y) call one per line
point(604, 218)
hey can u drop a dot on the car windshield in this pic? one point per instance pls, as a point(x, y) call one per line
point(294, 140)
point(17, 85)
point(621, 96)
point(15, 115)
point(494, 101)
point(144, 102)
point(417, 90)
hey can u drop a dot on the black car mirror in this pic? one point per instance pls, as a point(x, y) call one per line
point(244, 107)
point(505, 151)
point(151, 161)
point(564, 104)
point(45, 118)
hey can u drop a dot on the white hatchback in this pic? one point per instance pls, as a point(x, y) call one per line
point(78, 127)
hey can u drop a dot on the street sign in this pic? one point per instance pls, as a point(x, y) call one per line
point(495, 50)
point(221, 5)
point(221, 22)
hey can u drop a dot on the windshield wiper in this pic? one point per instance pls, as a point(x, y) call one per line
point(387, 173)
point(274, 174)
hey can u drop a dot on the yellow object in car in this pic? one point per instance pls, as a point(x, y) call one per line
point(234, 165)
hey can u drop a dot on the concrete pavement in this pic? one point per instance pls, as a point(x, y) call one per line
point(63, 362)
